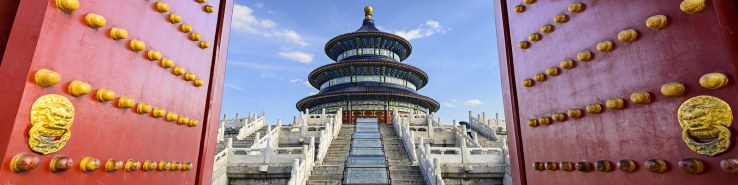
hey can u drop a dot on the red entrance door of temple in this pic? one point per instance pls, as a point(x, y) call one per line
point(111, 92)
point(631, 85)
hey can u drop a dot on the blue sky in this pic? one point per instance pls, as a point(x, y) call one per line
point(274, 45)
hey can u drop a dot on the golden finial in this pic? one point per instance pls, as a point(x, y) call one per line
point(368, 12)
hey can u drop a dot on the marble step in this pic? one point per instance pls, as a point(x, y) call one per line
point(324, 182)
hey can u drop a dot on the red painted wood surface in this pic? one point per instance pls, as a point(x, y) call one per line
point(42, 36)
point(7, 15)
point(688, 47)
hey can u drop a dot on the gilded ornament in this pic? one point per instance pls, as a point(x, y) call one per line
point(163, 166)
point(186, 166)
point(132, 165)
point(149, 165)
point(178, 71)
point(197, 82)
point(60, 163)
point(576, 7)
point(153, 55)
point(730, 165)
point(628, 35)
point(535, 37)
point(714, 80)
point(183, 120)
point(189, 77)
point(528, 83)
point(605, 46)
point(529, 1)
point(627, 165)
point(567, 64)
point(52, 116)
point(194, 36)
point(167, 63)
point(203, 44)
point(553, 71)
point(208, 9)
point(89, 164)
point(595, 108)
point(45, 77)
point(538, 166)
point(539, 77)
point(523, 44)
point(561, 18)
point(520, 9)
point(24, 162)
point(113, 165)
point(552, 166)
point(547, 28)
point(137, 45)
point(94, 20)
point(705, 120)
point(161, 7)
point(603, 166)
point(174, 18)
point(583, 166)
point(193, 123)
point(158, 112)
point(533, 122)
point(559, 117)
point(104, 95)
point(566, 166)
point(368, 12)
point(125, 102)
point(584, 56)
point(78, 88)
point(672, 89)
point(143, 108)
point(118, 33)
point(67, 5)
point(185, 28)
point(574, 113)
point(656, 22)
point(692, 6)
point(615, 103)
point(655, 165)
point(545, 120)
point(691, 165)
point(640, 97)
point(176, 166)
point(201, 1)
point(171, 116)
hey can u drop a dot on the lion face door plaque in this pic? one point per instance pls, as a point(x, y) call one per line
point(705, 120)
point(51, 121)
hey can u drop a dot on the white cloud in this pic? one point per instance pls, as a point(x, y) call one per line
point(424, 30)
point(307, 83)
point(297, 56)
point(312, 93)
point(259, 5)
point(245, 21)
point(304, 82)
point(473, 102)
point(235, 87)
point(451, 104)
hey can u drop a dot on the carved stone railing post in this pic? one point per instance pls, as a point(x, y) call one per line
point(464, 151)
point(268, 152)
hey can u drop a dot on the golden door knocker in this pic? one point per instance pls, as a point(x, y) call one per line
point(51, 123)
point(705, 120)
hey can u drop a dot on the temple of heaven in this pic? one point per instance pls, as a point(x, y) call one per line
point(368, 79)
